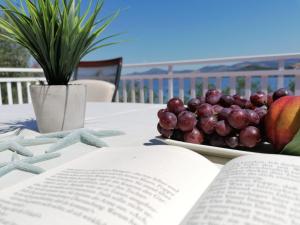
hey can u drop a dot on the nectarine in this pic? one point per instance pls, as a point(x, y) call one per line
point(283, 121)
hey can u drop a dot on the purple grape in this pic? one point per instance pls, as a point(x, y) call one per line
point(217, 109)
point(213, 96)
point(193, 104)
point(222, 128)
point(177, 135)
point(259, 98)
point(160, 112)
point(235, 107)
point(250, 137)
point(204, 110)
point(239, 100)
point(249, 105)
point(165, 133)
point(281, 93)
point(175, 105)
point(216, 140)
point(223, 115)
point(168, 120)
point(186, 121)
point(207, 124)
point(226, 100)
point(238, 119)
point(232, 141)
point(194, 136)
point(253, 117)
point(262, 112)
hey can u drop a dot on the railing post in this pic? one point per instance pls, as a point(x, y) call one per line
point(247, 86)
point(193, 87)
point(232, 84)
point(124, 91)
point(19, 90)
point(117, 96)
point(204, 85)
point(181, 89)
point(170, 81)
point(142, 96)
point(133, 91)
point(28, 91)
point(9, 93)
point(264, 84)
point(280, 79)
point(219, 83)
point(151, 96)
point(160, 91)
point(0, 96)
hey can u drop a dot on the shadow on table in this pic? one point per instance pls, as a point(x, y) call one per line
point(29, 124)
point(154, 142)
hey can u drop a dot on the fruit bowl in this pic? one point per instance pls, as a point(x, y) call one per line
point(228, 153)
point(230, 126)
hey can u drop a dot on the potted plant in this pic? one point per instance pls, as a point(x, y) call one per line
point(58, 35)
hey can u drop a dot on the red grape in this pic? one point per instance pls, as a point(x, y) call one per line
point(205, 109)
point(226, 100)
point(262, 112)
point(165, 133)
point(207, 124)
point(235, 107)
point(217, 109)
point(177, 135)
point(175, 105)
point(223, 115)
point(238, 119)
point(160, 112)
point(239, 100)
point(193, 104)
point(194, 136)
point(253, 117)
point(281, 93)
point(232, 141)
point(250, 137)
point(168, 120)
point(259, 98)
point(213, 96)
point(222, 128)
point(249, 105)
point(186, 121)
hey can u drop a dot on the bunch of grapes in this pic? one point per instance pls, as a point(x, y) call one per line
point(217, 119)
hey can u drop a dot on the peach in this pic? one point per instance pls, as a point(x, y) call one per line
point(283, 121)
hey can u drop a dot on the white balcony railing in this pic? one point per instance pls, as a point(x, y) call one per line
point(159, 87)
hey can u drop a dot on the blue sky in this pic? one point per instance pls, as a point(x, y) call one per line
point(161, 30)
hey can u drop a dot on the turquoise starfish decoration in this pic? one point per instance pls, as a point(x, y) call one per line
point(17, 144)
point(26, 164)
point(86, 136)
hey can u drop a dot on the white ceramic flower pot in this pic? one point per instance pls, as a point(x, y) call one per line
point(58, 107)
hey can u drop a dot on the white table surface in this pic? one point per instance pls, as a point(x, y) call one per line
point(138, 121)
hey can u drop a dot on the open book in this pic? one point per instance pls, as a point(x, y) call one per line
point(159, 185)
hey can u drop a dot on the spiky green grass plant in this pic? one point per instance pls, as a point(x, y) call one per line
point(56, 33)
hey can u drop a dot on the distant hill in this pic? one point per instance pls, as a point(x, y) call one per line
point(252, 66)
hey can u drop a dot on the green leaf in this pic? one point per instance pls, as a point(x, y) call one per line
point(56, 33)
point(293, 147)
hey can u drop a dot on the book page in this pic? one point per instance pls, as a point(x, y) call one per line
point(262, 189)
point(138, 186)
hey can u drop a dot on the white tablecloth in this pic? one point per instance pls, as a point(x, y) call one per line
point(138, 121)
